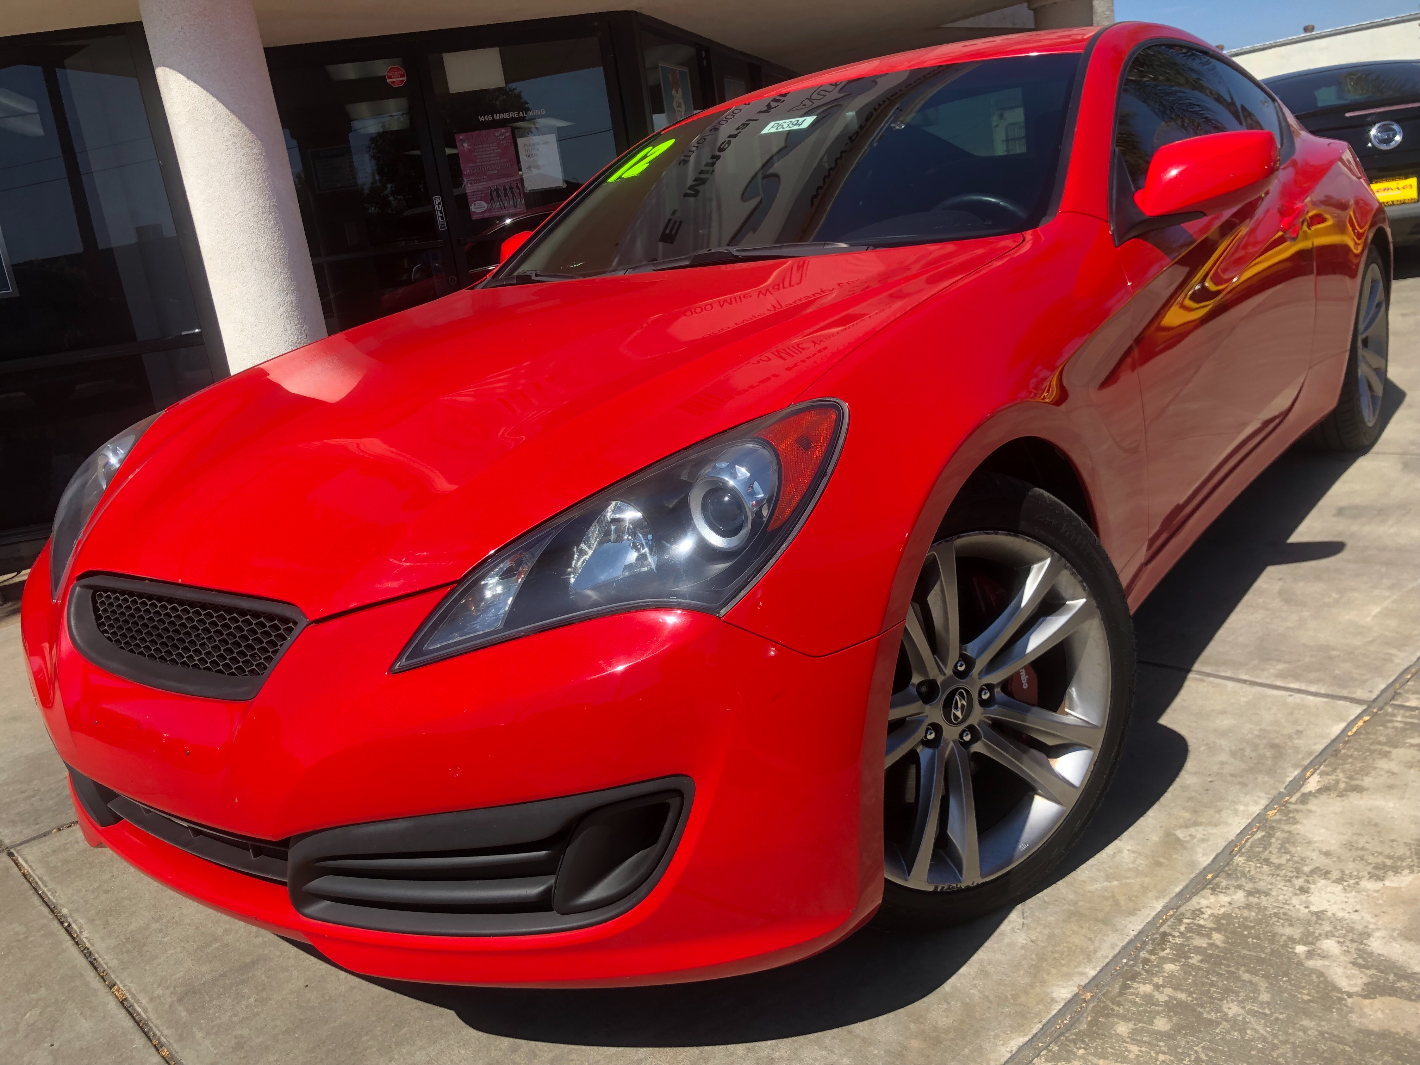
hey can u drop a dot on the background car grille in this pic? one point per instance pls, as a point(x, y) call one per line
point(215, 639)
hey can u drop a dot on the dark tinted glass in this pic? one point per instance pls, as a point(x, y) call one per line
point(524, 126)
point(1255, 108)
point(362, 186)
point(98, 327)
point(1171, 93)
point(93, 254)
point(915, 156)
point(1319, 90)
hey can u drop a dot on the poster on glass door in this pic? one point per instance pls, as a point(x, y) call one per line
point(675, 92)
point(489, 161)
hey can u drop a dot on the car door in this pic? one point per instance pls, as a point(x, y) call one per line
point(1224, 304)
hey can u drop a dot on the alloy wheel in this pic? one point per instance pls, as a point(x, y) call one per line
point(998, 710)
point(1372, 343)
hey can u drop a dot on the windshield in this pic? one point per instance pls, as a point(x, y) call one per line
point(917, 156)
point(1318, 90)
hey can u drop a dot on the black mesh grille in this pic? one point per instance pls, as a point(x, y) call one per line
point(215, 639)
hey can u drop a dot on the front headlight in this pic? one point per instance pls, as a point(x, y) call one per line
point(693, 531)
point(82, 495)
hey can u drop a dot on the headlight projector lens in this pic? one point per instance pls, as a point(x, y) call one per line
point(729, 494)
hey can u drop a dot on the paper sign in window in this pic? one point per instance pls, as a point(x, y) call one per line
point(542, 161)
point(489, 161)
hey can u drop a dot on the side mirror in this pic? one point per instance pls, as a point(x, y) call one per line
point(512, 244)
point(1190, 178)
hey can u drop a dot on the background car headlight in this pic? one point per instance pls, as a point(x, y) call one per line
point(692, 531)
point(82, 495)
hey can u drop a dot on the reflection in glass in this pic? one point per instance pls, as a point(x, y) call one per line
point(360, 181)
point(93, 251)
point(524, 127)
point(910, 157)
point(1348, 87)
point(99, 327)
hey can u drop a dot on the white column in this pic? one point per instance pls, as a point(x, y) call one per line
point(1061, 14)
point(217, 94)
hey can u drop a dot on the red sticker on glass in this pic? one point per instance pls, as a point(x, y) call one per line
point(396, 76)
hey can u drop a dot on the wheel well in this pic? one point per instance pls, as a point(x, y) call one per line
point(1382, 239)
point(1043, 465)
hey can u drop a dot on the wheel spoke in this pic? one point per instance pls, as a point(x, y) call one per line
point(942, 604)
point(1375, 305)
point(1039, 579)
point(1039, 638)
point(906, 736)
point(919, 650)
point(904, 704)
point(962, 837)
point(1028, 764)
point(1043, 725)
point(929, 806)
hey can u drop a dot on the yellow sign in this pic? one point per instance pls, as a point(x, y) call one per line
point(1396, 190)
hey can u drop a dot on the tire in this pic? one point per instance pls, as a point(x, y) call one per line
point(1015, 773)
point(1355, 423)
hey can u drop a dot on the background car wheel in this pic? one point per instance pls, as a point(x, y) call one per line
point(1356, 421)
point(1013, 689)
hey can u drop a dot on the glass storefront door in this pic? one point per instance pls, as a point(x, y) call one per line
point(358, 154)
point(416, 157)
point(520, 128)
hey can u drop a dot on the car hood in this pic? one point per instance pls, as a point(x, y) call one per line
point(393, 457)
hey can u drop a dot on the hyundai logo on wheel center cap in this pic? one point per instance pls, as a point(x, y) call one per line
point(958, 705)
point(1386, 135)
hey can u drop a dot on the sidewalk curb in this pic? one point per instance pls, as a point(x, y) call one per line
point(1078, 1004)
point(135, 1012)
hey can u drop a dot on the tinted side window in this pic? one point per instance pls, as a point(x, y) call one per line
point(1170, 93)
point(1256, 109)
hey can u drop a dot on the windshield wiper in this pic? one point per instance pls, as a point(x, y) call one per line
point(733, 254)
point(531, 277)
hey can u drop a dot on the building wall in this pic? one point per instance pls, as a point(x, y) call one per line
point(1394, 38)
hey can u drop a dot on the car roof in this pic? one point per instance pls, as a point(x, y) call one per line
point(1362, 65)
point(1035, 42)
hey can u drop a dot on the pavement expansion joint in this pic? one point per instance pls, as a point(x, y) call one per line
point(134, 1011)
point(1258, 683)
point(1079, 1003)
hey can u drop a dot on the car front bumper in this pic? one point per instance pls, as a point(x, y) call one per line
point(780, 854)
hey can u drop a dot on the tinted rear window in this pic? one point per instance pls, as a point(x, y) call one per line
point(915, 156)
point(1321, 90)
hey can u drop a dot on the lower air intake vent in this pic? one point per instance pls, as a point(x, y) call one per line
point(534, 867)
point(182, 639)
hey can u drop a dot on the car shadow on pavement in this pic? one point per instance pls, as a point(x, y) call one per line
point(877, 971)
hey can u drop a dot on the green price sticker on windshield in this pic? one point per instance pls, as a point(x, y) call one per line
point(640, 161)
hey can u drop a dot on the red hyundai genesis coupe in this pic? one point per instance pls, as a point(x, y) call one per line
point(751, 552)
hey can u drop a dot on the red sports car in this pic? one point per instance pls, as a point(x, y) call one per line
point(753, 552)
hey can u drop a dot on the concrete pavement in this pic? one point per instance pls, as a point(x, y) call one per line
point(1275, 635)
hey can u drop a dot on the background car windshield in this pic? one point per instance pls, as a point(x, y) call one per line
point(916, 156)
point(1319, 90)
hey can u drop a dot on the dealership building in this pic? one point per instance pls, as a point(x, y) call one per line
point(189, 187)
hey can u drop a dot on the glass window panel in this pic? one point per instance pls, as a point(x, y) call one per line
point(524, 126)
point(1170, 93)
point(672, 79)
point(362, 185)
point(84, 217)
point(907, 157)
